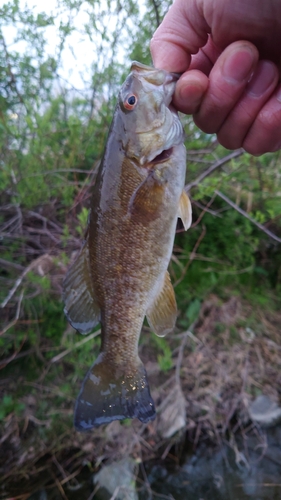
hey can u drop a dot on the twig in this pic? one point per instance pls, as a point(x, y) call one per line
point(14, 321)
point(191, 257)
point(156, 10)
point(57, 171)
point(5, 362)
point(35, 230)
point(72, 476)
point(197, 256)
point(204, 211)
point(61, 469)
point(204, 207)
point(19, 280)
point(213, 167)
point(186, 335)
point(60, 488)
point(9, 223)
point(41, 388)
point(97, 487)
point(233, 272)
point(258, 486)
point(44, 219)
point(242, 212)
point(204, 151)
point(180, 358)
point(5, 263)
point(161, 495)
point(23, 496)
point(12, 84)
point(76, 346)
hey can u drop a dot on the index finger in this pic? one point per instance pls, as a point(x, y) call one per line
point(182, 32)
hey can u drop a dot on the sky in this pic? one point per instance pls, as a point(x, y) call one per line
point(79, 52)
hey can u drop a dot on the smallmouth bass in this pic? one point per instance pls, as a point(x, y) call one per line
point(120, 275)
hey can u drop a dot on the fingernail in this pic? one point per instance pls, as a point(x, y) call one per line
point(238, 65)
point(262, 78)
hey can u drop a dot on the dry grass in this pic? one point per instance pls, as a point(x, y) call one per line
point(220, 367)
point(231, 355)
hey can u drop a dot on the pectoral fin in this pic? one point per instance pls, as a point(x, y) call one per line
point(146, 202)
point(162, 314)
point(81, 308)
point(185, 211)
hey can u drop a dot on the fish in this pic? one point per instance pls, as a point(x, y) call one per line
point(120, 276)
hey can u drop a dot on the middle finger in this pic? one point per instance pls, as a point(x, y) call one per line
point(228, 80)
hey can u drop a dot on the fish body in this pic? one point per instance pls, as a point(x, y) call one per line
point(121, 273)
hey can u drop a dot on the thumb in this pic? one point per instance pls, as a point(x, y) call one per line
point(182, 32)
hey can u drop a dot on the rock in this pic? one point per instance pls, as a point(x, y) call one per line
point(264, 411)
point(117, 480)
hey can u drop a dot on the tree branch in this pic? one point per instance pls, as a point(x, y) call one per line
point(156, 9)
point(213, 167)
point(12, 83)
point(242, 212)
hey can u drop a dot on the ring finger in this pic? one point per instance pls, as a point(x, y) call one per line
point(237, 124)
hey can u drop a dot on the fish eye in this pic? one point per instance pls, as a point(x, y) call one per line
point(130, 102)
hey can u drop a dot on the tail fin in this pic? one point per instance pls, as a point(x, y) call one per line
point(113, 393)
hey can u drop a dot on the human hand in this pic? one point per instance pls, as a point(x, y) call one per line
point(229, 52)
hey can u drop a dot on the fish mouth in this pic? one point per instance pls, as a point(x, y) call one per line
point(169, 89)
point(172, 77)
point(153, 75)
point(163, 156)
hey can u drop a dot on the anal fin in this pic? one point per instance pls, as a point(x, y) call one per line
point(162, 314)
point(81, 308)
point(185, 211)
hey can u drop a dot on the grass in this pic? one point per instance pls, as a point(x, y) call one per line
point(230, 358)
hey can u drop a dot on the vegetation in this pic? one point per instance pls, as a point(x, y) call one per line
point(226, 269)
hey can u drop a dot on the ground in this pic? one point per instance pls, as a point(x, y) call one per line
point(203, 381)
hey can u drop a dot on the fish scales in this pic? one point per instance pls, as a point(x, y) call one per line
point(121, 273)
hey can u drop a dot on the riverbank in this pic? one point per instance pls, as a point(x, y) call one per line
point(203, 381)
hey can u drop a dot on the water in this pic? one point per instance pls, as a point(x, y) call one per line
point(248, 469)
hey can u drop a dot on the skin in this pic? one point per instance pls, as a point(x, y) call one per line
point(229, 52)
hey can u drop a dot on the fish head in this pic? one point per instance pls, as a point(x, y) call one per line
point(150, 123)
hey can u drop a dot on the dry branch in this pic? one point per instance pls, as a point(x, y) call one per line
point(191, 257)
point(57, 358)
point(14, 321)
point(213, 167)
point(242, 212)
point(31, 266)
